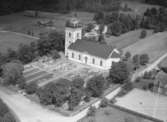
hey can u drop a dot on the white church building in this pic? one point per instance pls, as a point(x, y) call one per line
point(87, 52)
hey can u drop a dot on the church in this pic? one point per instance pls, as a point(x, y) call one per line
point(91, 53)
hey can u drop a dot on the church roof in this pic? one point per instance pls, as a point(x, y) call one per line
point(93, 48)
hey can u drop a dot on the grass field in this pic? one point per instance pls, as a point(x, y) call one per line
point(12, 40)
point(163, 63)
point(111, 114)
point(155, 46)
point(126, 39)
point(145, 102)
point(19, 23)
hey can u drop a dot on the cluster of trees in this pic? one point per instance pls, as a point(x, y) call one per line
point(12, 73)
point(119, 73)
point(71, 92)
point(9, 6)
point(48, 45)
point(118, 23)
point(155, 18)
point(137, 60)
point(5, 114)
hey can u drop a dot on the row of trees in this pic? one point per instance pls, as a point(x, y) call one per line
point(119, 23)
point(9, 6)
point(5, 114)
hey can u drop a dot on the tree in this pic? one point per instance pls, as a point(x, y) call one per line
point(9, 117)
point(89, 27)
point(143, 34)
point(96, 86)
point(91, 111)
point(31, 88)
point(98, 17)
point(119, 73)
point(136, 61)
point(104, 103)
point(75, 97)
point(3, 108)
point(127, 56)
point(144, 59)
point(78, 83)
point(12, 71)
point(58, 93)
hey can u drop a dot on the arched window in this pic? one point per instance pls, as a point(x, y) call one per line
point(79, 57)
point(101, 63)
point(72, 55)
point(86, 59)
point(69, 34)
point(93, 61)
point(78, 35)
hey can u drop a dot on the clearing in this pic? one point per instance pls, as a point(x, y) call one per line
point(112, 114)
point(12, 40)
point(126, 39)
point(145, 102)
point(155, 46)
point(19, 23)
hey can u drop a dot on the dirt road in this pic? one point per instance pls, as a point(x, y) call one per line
point(149, 67)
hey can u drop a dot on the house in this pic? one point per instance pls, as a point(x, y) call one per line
point(87, 52)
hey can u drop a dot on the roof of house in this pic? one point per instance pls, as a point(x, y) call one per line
point(94, 48)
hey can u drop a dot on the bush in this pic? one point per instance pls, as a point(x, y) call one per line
point(96, 86)
point(91, 111)
point(104, 103)
point(31, 88)
point(144, 59)
point(143, 34)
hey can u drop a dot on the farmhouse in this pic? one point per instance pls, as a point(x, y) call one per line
point(88, 52)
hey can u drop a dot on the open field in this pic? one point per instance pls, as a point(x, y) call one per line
point(111, 114)
point(155, 46)
point(126, 39)
point(19, 23)
point(12, 40)
point(145, 102)
point(163, 63)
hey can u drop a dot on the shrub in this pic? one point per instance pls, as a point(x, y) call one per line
point(31, 88)
point(104, 103)
point(91, 111)
point(143, 34)
point(96, 86)
point(144, 59)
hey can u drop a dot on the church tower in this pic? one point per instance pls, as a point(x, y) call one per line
point(73, 32)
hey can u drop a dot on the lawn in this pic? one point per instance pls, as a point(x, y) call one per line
point(163, 63)
point(12, 40)
point(126, 39)
point(19, 23)
point(145, 102)
point(111, 114)
point(155, 46)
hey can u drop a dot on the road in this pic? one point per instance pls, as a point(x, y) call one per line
point(28, 111)
point(149, 67)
